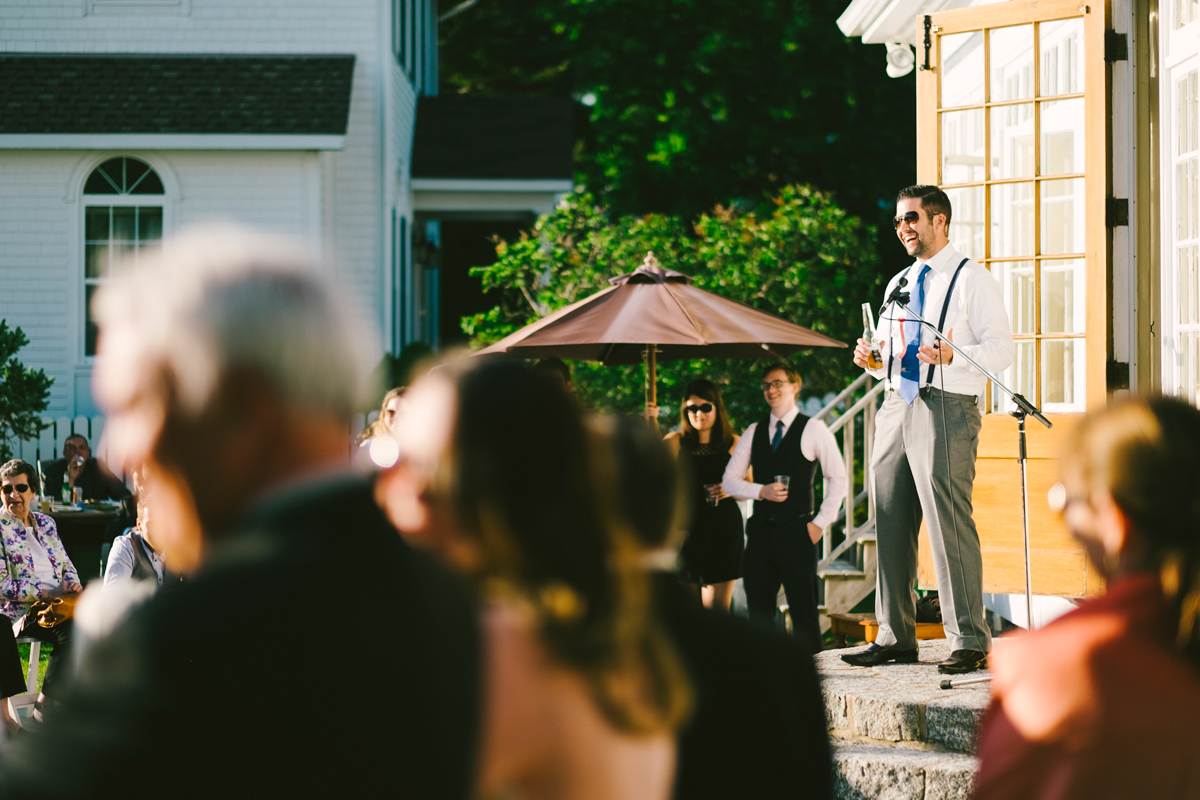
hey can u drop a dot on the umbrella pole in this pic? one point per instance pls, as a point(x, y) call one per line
point(651, 375)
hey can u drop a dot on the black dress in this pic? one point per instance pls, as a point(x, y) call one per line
point(712, 551)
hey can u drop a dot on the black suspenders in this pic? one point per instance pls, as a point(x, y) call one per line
point(945, 308)
point(941, 320)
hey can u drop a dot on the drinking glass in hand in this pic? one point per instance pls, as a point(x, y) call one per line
point(783, 481)
point(711, 489)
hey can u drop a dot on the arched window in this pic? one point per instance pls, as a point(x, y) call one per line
point(123, 218)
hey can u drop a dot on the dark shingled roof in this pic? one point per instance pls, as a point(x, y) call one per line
point(526, 138)
point(307, 94)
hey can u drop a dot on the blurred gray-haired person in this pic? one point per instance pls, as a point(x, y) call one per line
point(231, 366)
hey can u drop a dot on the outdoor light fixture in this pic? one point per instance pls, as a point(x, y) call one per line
point(900, 59)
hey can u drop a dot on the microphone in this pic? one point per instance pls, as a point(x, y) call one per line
point(898, 295)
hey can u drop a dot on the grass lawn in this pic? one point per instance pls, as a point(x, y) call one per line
point(47, 650)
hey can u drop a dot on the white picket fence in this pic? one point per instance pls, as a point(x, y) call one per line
point(49, 445)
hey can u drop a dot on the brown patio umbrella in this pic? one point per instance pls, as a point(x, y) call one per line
point(656, 314)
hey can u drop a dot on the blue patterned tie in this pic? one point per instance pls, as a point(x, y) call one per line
point(778, 437)
point(910, 365)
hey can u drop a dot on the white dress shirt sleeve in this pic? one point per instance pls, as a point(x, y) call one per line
point(120, 561)
point(989, 323)
point(734, 481)
point(818, 444)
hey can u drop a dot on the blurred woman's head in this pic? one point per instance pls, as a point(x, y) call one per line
point(1131, 494)
point(502, 476)
point(703, 410)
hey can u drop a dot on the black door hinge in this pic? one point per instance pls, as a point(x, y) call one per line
point(1116, 46)
point(1118, 375)
point(1116, 212)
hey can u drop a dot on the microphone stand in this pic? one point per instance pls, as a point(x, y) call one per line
point(1023, 409)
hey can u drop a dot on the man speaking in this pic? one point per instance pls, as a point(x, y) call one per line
point(927, 434)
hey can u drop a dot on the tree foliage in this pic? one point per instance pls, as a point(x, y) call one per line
point(700, 102)
point(807, 261)
point(24, 392)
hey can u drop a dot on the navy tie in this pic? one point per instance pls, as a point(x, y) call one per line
point(778, 437)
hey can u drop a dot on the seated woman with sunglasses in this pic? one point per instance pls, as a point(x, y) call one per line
point(35, 567)
point(711, 555)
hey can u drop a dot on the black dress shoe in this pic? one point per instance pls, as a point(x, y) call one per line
point(963, 661)
point(875, 655)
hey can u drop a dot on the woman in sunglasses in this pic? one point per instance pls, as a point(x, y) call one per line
point(35, 567)
point(711, 555)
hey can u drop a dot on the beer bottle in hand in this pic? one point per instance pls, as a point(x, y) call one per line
point(874, 358)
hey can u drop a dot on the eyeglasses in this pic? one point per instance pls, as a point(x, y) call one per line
point(20, 488)
point(908, 216)
point(703, 408)
point(774, 385)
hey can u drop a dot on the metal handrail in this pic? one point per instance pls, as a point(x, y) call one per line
point(861, 533)
point(835, 402)
point(871, 394)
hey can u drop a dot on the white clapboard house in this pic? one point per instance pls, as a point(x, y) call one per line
point(123, 120)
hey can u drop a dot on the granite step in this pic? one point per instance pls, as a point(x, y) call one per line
point(896, 733)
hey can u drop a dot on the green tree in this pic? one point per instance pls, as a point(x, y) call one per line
point(807, 261)
point(689, 103)
point(24, 392)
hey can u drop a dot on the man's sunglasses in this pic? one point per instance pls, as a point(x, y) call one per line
point(910, 217)
point(20, 488)
point(703, 408)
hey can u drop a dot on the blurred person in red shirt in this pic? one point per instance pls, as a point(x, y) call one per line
point(1104, 701)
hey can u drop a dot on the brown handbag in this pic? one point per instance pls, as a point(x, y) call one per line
point(51, 613)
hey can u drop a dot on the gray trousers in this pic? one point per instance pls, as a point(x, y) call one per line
point(925, 469)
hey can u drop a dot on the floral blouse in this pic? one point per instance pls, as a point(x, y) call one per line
point(18, 583)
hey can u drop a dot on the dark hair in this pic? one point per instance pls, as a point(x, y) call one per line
point(723, 429)
point(77, 436)
point(563, 547)
point(1145, 453)
point(649, 492)
point(18, 467)
point(554, 366)
point(793, 374)
point(933, 200)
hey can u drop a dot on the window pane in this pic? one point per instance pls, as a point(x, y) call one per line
point(962, 69)
point(1011, 57)
point(1012, 141)
point(124, 224)
point(95, 224)
point(149, 224)
point(1064, 305)
point(1063, 374)
point(962, 146)
point(1012, 219)
point(90, 330)
point(1062, 137)
point(100, 182)
point(150, 184)
point(966, 220)
point(1018, 377)
point(1185, 11)
point(1061, 46)
point(1062, 216)
point(1016, 281)
point(96, 260)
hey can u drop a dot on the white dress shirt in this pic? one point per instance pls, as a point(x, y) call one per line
point(976, 315)
point(816, 444)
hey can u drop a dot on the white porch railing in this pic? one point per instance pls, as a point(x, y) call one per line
point(855, 427)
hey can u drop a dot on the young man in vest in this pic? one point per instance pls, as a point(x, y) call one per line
point(927, 434)
point(783, 531)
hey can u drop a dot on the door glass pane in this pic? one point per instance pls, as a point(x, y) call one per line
point(1064, 304)
point(962, 146)
point(962, 69)
point(1185, 11)
point(1062, 374)
point(90, 331)
point(1062, 216)
point(1061, 50)
point(1062, 136)
point(124, 224)
point(1010, 53)
point(1018, 377)
point(966, 220)
point(1012, 219)
point(95, 224)
point(1012, 141)
point(96, 260)
point(149, 224)
point(1016, 281)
